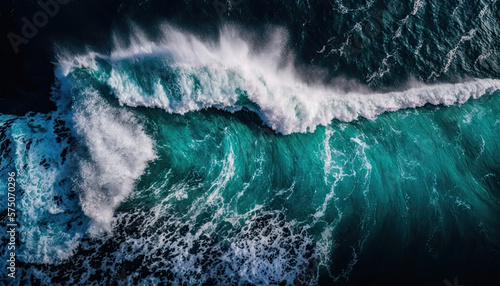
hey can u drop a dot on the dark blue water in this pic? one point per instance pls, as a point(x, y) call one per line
point(256, 143)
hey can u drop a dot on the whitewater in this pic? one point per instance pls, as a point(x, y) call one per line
point(181, 73)
point(189, 161)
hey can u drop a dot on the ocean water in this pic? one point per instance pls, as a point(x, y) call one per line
point(188, 160)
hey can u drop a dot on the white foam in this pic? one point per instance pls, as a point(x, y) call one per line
point(48, 214)
point(416, 6)
point(205, 74)
point(262, 249)
point(118, 153)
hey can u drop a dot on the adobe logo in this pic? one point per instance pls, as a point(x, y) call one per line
point(39, 20)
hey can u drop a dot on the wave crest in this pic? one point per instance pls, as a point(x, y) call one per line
point(181, 73)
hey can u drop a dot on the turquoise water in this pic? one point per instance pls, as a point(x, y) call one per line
point(185, 163)
point(419, 184)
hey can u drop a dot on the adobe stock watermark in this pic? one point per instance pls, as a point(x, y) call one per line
point(393, 180)
point(117, 277)
point(40, 19)
point(455, 282)
point(221, 6)
point(372, 27)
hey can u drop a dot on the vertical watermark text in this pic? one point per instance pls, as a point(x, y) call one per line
point(11, 224)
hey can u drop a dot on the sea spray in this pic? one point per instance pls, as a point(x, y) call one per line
point(184, 73)
point(116, 154)
point(199, 195)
